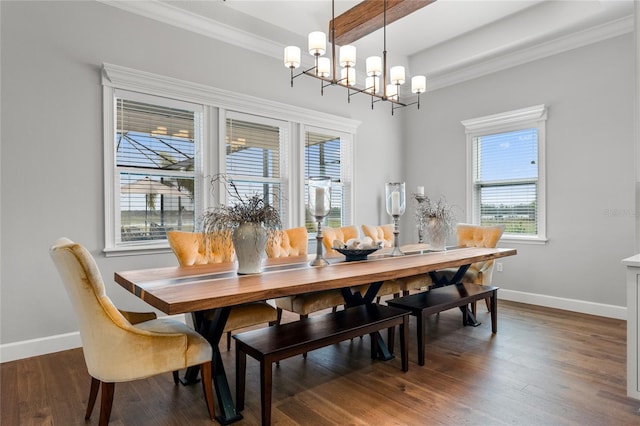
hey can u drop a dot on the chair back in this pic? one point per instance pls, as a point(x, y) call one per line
point(288, 242)
point(480, 236)
point(190, 249)
point(343, 234)
point(379, 234)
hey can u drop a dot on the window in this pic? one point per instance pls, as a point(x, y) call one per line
point(506, 169)
point(164, 139)
point(323, 156)
point(254, 149)
point(155, 147)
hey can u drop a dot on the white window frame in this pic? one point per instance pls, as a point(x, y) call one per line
point(346, 169)
point(216, 103)
point(285, 149)
point(525, 118)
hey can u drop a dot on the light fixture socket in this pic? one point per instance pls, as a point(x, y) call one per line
point(348, 56)
point(418, 84)
point(292, 56)
point(397, 75)
point(374, 66)
point(317, 43)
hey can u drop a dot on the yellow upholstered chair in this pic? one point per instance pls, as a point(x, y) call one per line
point(479, 236)
point(123, 346)
point(189, 248)
point(343, 234)
point(294, 242)
point(289, 242)
point(384, 235)
point(380, 234)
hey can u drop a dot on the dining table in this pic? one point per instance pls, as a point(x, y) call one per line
point(199, 289)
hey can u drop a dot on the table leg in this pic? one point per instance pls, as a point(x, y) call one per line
point(441, 280)
point(357, 299)
point(212, 330)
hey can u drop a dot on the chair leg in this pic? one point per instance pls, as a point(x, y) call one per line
point(93, 394)
point(228, 341)
point(474, 308)
point(279, 316)
point(176, 377)
point(106, 402)
point(207, 387)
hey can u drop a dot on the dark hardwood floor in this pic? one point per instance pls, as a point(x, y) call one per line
point(544, 367)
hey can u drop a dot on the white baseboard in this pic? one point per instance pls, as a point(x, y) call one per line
point(47, 345)
point(40, 346)
point(62, 342)
point(573, 305)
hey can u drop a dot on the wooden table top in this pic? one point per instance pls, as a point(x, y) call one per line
point(182, 289)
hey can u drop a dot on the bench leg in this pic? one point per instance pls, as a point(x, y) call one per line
point(404, 343)
point(494, 311)
point(391, 338)
point(421, 337)
point(241, 368)
point(265, 391)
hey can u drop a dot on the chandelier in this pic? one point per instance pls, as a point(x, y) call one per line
point(325, 69)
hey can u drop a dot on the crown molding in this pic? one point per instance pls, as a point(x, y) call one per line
point(482, 64)
point(180, 18)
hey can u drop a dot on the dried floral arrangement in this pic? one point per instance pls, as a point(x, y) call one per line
point(439, 214)
point(242, 209)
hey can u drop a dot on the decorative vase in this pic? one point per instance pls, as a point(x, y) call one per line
point(249, 241)
point(436, 231)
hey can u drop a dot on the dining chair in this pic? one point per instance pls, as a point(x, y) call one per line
point(120, 346)
point(190, 249)
point(294, 242)
point(479, 236)
point(384, 235)
point(342, 234)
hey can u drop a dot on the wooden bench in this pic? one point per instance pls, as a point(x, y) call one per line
point(271, 344)
point(443, 298)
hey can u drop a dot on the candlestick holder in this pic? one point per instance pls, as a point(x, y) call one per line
point(420, 198)
point(395, 203)
point(319, 207)
point(319, 260)
point(396, 233)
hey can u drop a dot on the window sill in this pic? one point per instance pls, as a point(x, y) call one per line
point(136, 250)
point(523, 239)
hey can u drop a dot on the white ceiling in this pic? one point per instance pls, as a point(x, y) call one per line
point(441, 38)
point(431, 25)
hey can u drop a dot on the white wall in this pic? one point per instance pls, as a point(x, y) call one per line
point(52, 159)
point(589, 93)
point(52, 148)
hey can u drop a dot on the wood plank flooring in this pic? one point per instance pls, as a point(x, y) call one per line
point(544, 367)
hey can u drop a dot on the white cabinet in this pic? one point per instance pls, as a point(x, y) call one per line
point(633, 325)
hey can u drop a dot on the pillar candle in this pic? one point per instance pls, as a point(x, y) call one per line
point(395, 203)
point(420, 190)
point(320, 207)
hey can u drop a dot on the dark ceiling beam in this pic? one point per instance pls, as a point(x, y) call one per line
point(367, 17)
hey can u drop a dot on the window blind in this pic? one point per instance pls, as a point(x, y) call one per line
point(323, 158)
point(155, 161)
point(506, 180)
point(253, 159)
